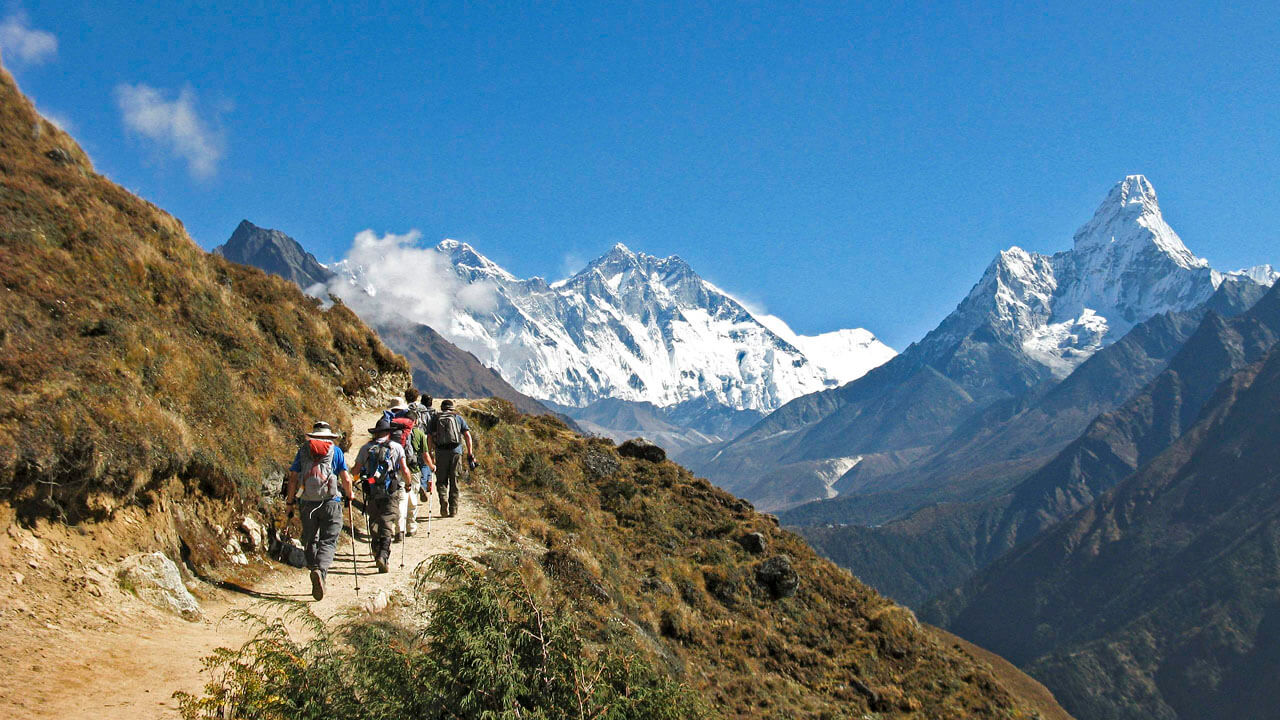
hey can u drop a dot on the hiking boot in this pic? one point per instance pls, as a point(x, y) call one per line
point(317, 585)
point(381, 562)
point(399, 536)
point(409, 533)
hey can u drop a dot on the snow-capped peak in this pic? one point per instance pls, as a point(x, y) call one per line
point(1129, 220)
point(462, 255)
point(1126, 265)
point(637, 327)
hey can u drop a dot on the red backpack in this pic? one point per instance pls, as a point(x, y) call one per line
point(402, 433)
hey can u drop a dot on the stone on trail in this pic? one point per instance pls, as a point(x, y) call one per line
point(155, 579)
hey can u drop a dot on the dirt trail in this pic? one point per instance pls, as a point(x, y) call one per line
point(125, 663)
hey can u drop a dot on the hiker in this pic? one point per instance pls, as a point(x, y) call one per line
point(447, 433)
point(411, 437)
point(384, 477)
point(423, 409)
point(320, 485)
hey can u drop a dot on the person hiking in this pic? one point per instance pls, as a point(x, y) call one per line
point(421, 404)
point(447, 434)
point(384, 478)
point(408, 432)
point(320, 485)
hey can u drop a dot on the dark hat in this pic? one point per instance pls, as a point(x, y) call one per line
point(383, 426)
point(446, 404)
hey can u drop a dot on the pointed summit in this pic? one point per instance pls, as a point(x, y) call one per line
point(1129, 221)
point(274, 252)
point(466, 258)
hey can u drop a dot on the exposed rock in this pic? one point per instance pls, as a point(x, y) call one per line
point(253, 536)
point(778, 577)
point(59, 156)
point(155, 580)
point(753, 543)
point(642, 449)
point(235, 553)
point(600, 464)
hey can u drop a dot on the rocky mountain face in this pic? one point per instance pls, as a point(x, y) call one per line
point(638, 328)
point(1159, 599)
point(275, 252)
point(1142, 391)
point(1027, 324)
point(439, 367)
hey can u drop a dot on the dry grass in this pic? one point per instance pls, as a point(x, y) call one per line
point(129, 356)
point(648, 547)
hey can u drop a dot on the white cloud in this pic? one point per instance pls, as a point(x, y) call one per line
point(173, 124)
point(18, 40)
point(404, 283)
point(62, 122)
point(571, 264)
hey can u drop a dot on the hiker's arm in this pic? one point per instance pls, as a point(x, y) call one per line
point(466, 437)
point(348, 492)
point(291, 493)
point(405, 474)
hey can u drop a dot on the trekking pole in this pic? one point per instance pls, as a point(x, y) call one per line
point(351, 519)
point(404, 538)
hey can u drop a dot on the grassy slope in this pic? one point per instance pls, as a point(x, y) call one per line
point(646, 546)
point(129, 356)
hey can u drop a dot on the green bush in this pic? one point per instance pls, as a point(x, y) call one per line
point(489, 649)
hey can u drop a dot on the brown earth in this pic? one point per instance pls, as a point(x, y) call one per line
point(75, 645)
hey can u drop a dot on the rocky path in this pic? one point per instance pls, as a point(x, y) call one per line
point(127, 666)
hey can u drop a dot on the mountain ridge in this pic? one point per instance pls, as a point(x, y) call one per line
point(1029, 321)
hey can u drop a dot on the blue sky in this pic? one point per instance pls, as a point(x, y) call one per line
point(841, 164)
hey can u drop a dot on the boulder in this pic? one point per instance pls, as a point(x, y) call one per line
point(753, 543)
point(642, 449)
point(156, 580)
point(290, 552)
point(778, 577)
point(252, 535)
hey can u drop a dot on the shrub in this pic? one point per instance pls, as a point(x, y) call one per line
point(490, 649)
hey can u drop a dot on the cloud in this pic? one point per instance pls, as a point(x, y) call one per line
point(60, 121)
point(571, 264)
point(392, 279)
point(173, 124)
point(20, 41)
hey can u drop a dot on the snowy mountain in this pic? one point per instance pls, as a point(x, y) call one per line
point(1027, 324)
point(1126, 265)
point(634, 327)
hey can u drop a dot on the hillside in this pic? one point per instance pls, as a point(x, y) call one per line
point(1160, 598)
point(131, 357)
point(644, 561)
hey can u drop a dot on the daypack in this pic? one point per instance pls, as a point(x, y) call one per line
point(448, 430)
point(377, 471)
point(402, 433)
point(319, 481)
